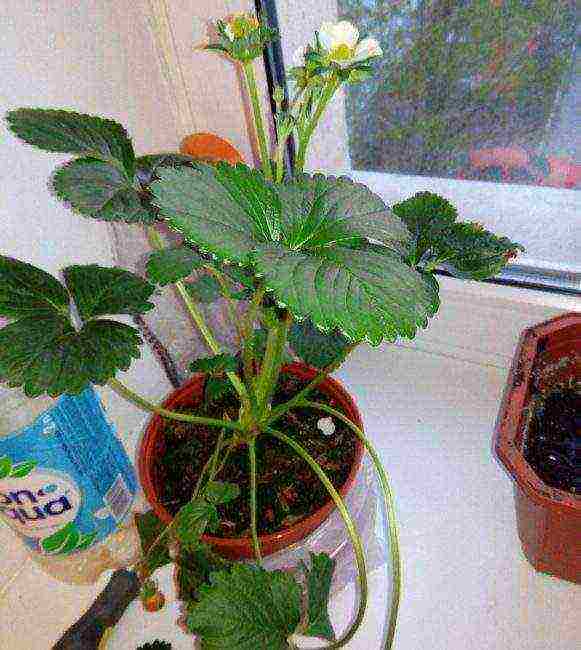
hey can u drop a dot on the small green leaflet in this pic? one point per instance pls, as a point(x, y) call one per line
point(319, 576)
point(26, 290)
point(172, 264)
point(195, 565)
point(193, 519)
point(466, 249)
point(219, 492)
point(150, 527)
point(66, 540)
point(42, 351)
point(217, 387)
point(69, 132)
point(216, 364)
point(247, 608)
point(314, 347)
point(5, 466)
point(20, 470)
point(47, 355)
point(100, 190)
point(147, 167)
point(99, 291)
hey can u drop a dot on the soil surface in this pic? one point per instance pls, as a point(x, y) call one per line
point(287, 489)
point(553, 446)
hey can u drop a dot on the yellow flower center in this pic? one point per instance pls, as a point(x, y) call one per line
point(341, 53)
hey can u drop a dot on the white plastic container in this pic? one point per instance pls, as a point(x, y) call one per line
point(67, 485)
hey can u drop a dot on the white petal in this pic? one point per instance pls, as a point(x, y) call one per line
point(229, 32)
point(366, 49)
point(326, 35)
point(346, 33)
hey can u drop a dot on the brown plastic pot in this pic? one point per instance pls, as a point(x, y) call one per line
point(548, 519)
point(153, 445)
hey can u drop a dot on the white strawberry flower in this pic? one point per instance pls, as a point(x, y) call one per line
point(341, 44)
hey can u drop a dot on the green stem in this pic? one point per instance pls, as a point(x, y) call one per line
point(391, 515)
point(249, 76)
point(144, 404)
point(307, 133)
point(158, 243)
point(281, 409)
point(351, 529)
point(248, 330)
point(210, 465)
point(272, 362)
point(253, 508)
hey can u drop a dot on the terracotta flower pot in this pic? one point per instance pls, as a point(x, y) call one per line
point(548, 519)
point(190, 394)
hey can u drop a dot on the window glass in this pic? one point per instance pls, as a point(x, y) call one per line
point(469, 89)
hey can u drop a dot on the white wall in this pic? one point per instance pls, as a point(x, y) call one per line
point(93, 56)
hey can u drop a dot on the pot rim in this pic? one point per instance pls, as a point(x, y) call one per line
point(235, 544)
point(513, 413)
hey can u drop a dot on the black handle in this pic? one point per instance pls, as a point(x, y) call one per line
point(105, 612)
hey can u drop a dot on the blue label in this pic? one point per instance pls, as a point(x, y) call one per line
point(66, 481)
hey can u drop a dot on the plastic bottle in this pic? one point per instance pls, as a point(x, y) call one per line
point(66, 484)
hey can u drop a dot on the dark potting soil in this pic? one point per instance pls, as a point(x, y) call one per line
point(553, 446)
point(287, 489)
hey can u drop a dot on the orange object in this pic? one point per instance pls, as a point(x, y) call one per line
point(154, 603)
point(190, 395)
point(548, 519)
point(210, 148)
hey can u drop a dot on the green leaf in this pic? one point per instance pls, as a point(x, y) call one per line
point(313, 241)
point(63, 541)
point(100, 190)
point(218, 492)
point(216, 364)
point(466, 249)
point(20, 470)
point(472, 252)
point(5, 466)
point(363, 294)
point(314, 347)
point(329, 212)
point(69, 132)
point(216, 388)
point(172, 264)
point(193, 519)
point(319, 577)
point(98, 291)
point(246, 609)
point(148, 167)
point(150, 527)
point(224, 209)
point(45, 354)
point(204, 289)
point(27, 290)
point(428, 217)
point(196, 563)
